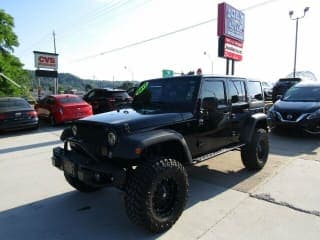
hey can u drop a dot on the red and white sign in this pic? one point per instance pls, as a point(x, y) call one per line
point(230, 48)
point(46, 60)
point(233, 49)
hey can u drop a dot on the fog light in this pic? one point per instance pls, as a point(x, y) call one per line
point(97, 177)
point(112, 138)
point(104, 151)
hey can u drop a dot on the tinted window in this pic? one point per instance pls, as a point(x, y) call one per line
point(120, 95)
point(215, 89)
point(302, 94)
point(174, 94)
point(14, 103)
point(238, 88)
point(254, 90)
point(100, 94)
point(70, 100)
point(50, 101)
point(90, 95)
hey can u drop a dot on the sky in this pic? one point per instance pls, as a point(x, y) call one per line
point(87, 32)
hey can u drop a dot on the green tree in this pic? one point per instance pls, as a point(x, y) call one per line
point(9, 64)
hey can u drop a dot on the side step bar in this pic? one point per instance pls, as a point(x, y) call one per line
point(214, 154)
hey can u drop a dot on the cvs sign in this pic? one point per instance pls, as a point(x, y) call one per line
point(45, 60)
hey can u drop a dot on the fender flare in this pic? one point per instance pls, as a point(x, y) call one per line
point(128, 144)
point(257, 120)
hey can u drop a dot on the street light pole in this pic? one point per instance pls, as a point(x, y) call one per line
point(306, 9)
point(129, 70)
point(205, 53)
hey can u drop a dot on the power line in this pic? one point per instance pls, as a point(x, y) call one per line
point(166, 34)
point(102, 12)
point(97, 12)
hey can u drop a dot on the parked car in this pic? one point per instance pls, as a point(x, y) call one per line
point(298, 108)
point(17, 113)
point(172, 123)
point(107, 99)
point(62, 108)
point(281, 86)
point(267, 90)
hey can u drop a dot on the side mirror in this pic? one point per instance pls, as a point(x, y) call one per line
point(258, 96)
point(210, 103)
point(234, 99)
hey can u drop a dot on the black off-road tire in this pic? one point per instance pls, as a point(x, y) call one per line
point(255, 154)
point(79, 185)
point(156, 194)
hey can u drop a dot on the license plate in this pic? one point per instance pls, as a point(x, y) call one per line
point(69, 168)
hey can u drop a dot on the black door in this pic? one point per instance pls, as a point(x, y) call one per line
point(214, 123)
point(240, 106)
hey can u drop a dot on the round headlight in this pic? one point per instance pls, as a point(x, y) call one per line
point(112, 138)
point(74, 130)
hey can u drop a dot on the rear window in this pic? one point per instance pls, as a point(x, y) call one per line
point(14, 103)
point(70, 100)
point(290, 80)
point(120, 95)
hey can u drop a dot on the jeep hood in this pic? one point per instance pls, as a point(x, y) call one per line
point(135, 120)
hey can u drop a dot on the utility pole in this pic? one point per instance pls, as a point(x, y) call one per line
point(55, 51)
point(306, 9)
point(54, 41)
point(211, 61)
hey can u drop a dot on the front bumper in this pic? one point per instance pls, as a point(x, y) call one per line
point(311, 126)
point(95, 174)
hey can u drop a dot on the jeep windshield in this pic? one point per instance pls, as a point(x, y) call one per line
point(167, 95)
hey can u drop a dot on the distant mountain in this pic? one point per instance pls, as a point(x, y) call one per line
point(69, 81)
point(308, 75)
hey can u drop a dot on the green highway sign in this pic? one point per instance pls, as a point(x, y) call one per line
point(167, 73)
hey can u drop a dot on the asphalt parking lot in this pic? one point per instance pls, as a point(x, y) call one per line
point(226, 201)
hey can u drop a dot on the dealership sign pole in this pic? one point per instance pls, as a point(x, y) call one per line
point(45, 60)
point(231, 34)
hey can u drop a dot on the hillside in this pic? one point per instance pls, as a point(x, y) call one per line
point(69, 81)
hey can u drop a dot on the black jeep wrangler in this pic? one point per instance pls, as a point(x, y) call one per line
point(173, 122)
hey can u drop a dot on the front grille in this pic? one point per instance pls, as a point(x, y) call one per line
point(94, 138)
point(91, 133)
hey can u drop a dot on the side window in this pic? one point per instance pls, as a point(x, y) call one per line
point(237, 88)
point(50, 101)
point(43, 101)
point(214, 89)
point(90, 95)
point(101, 94)
point(255, 91)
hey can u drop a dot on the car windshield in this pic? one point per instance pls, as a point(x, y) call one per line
point(167, 95)
point(302, 94)
point(74, 99)
point(13, 103)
